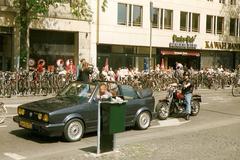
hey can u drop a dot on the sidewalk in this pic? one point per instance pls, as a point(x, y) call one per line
point(15, 101)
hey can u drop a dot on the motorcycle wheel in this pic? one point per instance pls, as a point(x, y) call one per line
point(162, 110)
point(236, 90)
point(195, 108)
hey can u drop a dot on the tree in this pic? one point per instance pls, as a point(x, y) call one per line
point(29, 10)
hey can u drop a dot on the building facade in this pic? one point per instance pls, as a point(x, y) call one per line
point(57, 36)
point(197, 33)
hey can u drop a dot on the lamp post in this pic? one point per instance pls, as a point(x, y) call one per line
point(150, 42)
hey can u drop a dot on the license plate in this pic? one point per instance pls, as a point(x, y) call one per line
point(26, 124)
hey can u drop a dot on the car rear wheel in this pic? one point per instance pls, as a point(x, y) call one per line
point(143, 120)
point(74, 130)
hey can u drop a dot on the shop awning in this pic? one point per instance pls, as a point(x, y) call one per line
point(190, 53)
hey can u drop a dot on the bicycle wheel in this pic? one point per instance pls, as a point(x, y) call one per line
point(236, 90)
point(3, 113)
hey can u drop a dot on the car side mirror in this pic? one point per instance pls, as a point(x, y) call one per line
point(139, 94)
point(95, 99)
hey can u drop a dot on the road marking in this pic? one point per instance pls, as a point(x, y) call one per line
point(14, 156)
point(11, 115)
point(3, 126)
point(12, 105)
point(169, 123)
point(204, 103)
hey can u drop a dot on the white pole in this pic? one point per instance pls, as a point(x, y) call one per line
point(99, 127)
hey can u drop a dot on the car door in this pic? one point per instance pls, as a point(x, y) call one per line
point(92, 111)
point(134, 103)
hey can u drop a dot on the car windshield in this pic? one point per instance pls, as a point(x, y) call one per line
point(78, 89)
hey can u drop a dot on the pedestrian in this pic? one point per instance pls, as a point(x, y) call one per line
point(85, 71)
point(71, 68)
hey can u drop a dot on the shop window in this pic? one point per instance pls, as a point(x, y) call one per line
point(220, 25)
point(183, 21)
point(1, 43)
point(104, 48)
point(137, 15)
point(122, 14)
point(195, 22)
point(155, 23)
point(168, 19)
point(209, 24)
point(57, 45)
point(234, 26)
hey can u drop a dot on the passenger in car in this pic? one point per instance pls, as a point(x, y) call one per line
point(103, 92)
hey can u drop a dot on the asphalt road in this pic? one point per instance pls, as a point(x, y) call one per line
point(213, 134)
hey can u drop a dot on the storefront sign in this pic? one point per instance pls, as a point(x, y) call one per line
point(169, 52)
point(183, 42)
point(222, 45)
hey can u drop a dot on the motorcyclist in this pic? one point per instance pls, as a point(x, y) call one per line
point(187, 89)
point(238, 74)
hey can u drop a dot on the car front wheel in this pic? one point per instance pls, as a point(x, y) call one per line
point(74, 130)
point(143, 120)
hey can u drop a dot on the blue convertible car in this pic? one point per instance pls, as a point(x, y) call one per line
point(73, 112)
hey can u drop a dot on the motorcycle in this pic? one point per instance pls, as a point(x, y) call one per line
point(174, 103)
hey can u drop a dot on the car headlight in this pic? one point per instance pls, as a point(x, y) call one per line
point(21, 111)
point(40, 116)
point(45, 118)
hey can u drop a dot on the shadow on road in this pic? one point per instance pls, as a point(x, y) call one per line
point(91, 149)
point(31, 136)
point(214, 111)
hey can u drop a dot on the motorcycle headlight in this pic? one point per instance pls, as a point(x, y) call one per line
point(40, 116)
point(21, 111)
point(45, 118)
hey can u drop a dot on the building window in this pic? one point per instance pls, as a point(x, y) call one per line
point(209, 24)
point(122, 14)
point(214, 24)
point(220, 25)
point(161, 18)
point(183, 21)
point(234, 26)
point(233, 2)
point(155, 23)
point(130, 15)
point(168, 19)
point(137, 15)
point(189, 22)
point(222, 1)
point(195, 22)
